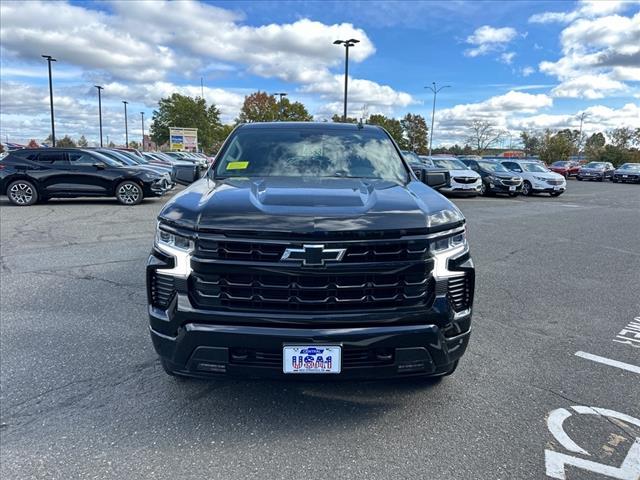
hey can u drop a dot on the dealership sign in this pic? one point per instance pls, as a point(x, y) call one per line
point(183, 139)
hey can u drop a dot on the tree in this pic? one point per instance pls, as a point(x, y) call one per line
point(185, 112)
point(531, 143)
point(415, 131)
point(393, 126)
point(594, 146)
point(82, 142)
point(33, 144)
point(48, 140)
point(134, 144)
point(573, 137)
point(111, 144)
point(258, 107)
point(293, 112)
point(65, 142)
point(338, 119)
point(555, 147)
point(220, 135)
point(483, 134)
point(622, 137)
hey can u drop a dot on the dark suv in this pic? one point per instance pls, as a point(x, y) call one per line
point(31, 175)
point(310, 248)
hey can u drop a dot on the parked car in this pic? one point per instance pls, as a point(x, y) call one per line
point(185, 173)
point(628, 172)
point(186, 156)
point(495, 178)
point(426, 171)
point(124, 159)
point(463, 180)
point(599, 171)
point(38, 174)
point(537, 178)
point(565, 168)
point(310, 249)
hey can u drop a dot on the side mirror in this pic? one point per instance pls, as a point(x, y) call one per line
point(436, 179)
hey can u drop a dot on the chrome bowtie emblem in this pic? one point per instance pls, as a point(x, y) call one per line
point(313, 255)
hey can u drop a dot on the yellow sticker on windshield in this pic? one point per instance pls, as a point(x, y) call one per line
point(237, 165)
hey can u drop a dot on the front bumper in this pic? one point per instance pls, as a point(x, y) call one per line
point(633, 178)
point(159, 187)
point(543, 187)
point(499, 187)
point(462, 189)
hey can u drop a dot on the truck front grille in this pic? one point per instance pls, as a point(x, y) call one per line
point(465, 179)
point(312, 290)
point(510, 181)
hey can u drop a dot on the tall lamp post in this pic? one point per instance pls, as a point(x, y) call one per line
point(100, 88)
point(281, 95)
point(53, 127)
point(142, 114)
point(434, 88)
point(126, 126)
point(347, 44)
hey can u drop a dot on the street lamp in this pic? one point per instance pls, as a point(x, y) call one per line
point(281, 95)
point(100, 109)
point(142, 113)
point(435, 91)
point(53, 128)
point(347, 44)
point(126, 127)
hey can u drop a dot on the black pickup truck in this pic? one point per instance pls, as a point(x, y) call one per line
point(310, 250)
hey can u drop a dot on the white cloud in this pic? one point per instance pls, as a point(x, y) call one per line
point(526, 71)
point(507, 57)
point(586, 9)
point(599, 55)
point(489, 39)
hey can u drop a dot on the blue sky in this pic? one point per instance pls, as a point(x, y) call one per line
point(521, 65)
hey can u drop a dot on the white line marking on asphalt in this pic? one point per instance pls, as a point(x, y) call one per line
point(608, 361)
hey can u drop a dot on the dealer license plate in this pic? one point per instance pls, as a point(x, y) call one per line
point(556, 188)
point(625, 176)
point(512, 189)
point(311, 359)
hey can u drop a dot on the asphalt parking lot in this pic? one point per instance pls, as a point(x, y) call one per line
point(83, 396)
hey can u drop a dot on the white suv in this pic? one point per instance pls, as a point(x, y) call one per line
point(463, 180)
point(537, 177)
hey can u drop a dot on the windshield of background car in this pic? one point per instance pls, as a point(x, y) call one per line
point(594, 165)
point(492, 167)
point(533, 167)
point(449, 164)
point(631, 166)
point(287, 152)
point(560, 164)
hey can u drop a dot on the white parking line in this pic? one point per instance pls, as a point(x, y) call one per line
point(608, 361)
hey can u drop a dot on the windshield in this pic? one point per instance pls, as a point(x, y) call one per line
point(560, 164)
point(449, 163)
point(411, 157)
point(492, 167)
point(289, 152)
point(533, 167)
point(631, 166)
point(594, 165)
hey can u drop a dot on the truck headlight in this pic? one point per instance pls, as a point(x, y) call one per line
point(178, 247)
point(444, 249)
point(449, 215)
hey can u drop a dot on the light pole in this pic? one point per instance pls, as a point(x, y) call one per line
point(281, 95)
point(435, 91)
point(126, 127)
point(142, 114)
point(347, 44)
point(100, 109)
point(53, 128)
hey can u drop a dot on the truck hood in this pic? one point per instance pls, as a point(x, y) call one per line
point(304, 205)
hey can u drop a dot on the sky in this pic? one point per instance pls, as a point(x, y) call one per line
point(523, 65)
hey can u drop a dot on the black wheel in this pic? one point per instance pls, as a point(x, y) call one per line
point(129, 193)
point(483, 189)
point(527, 189)
point(601, 179)
point(22, 193)
point(579, 179)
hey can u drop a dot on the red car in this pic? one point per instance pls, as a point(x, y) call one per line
point(565, 168)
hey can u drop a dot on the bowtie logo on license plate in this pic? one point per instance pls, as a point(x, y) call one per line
point(313, 255)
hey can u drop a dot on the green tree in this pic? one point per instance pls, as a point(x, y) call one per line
point(219, 136)
point(293, 112)
point(531, 143)
point(65, 142)
point(622, 138)
point(393, 126)
point(82, 142)
point(185, 112)
point(573, 137)
point(338, 119)
point(415, 131)
point(134, 144)
point(555, 147)
point(258, 107)
point(594, 146)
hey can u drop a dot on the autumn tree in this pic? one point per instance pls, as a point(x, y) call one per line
point(258, 107)
point(82, 142)
point(65, 142)
point(185, 112)
point(415, 131)
point(483, 134)
point(33, 144)
point(338, 119)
